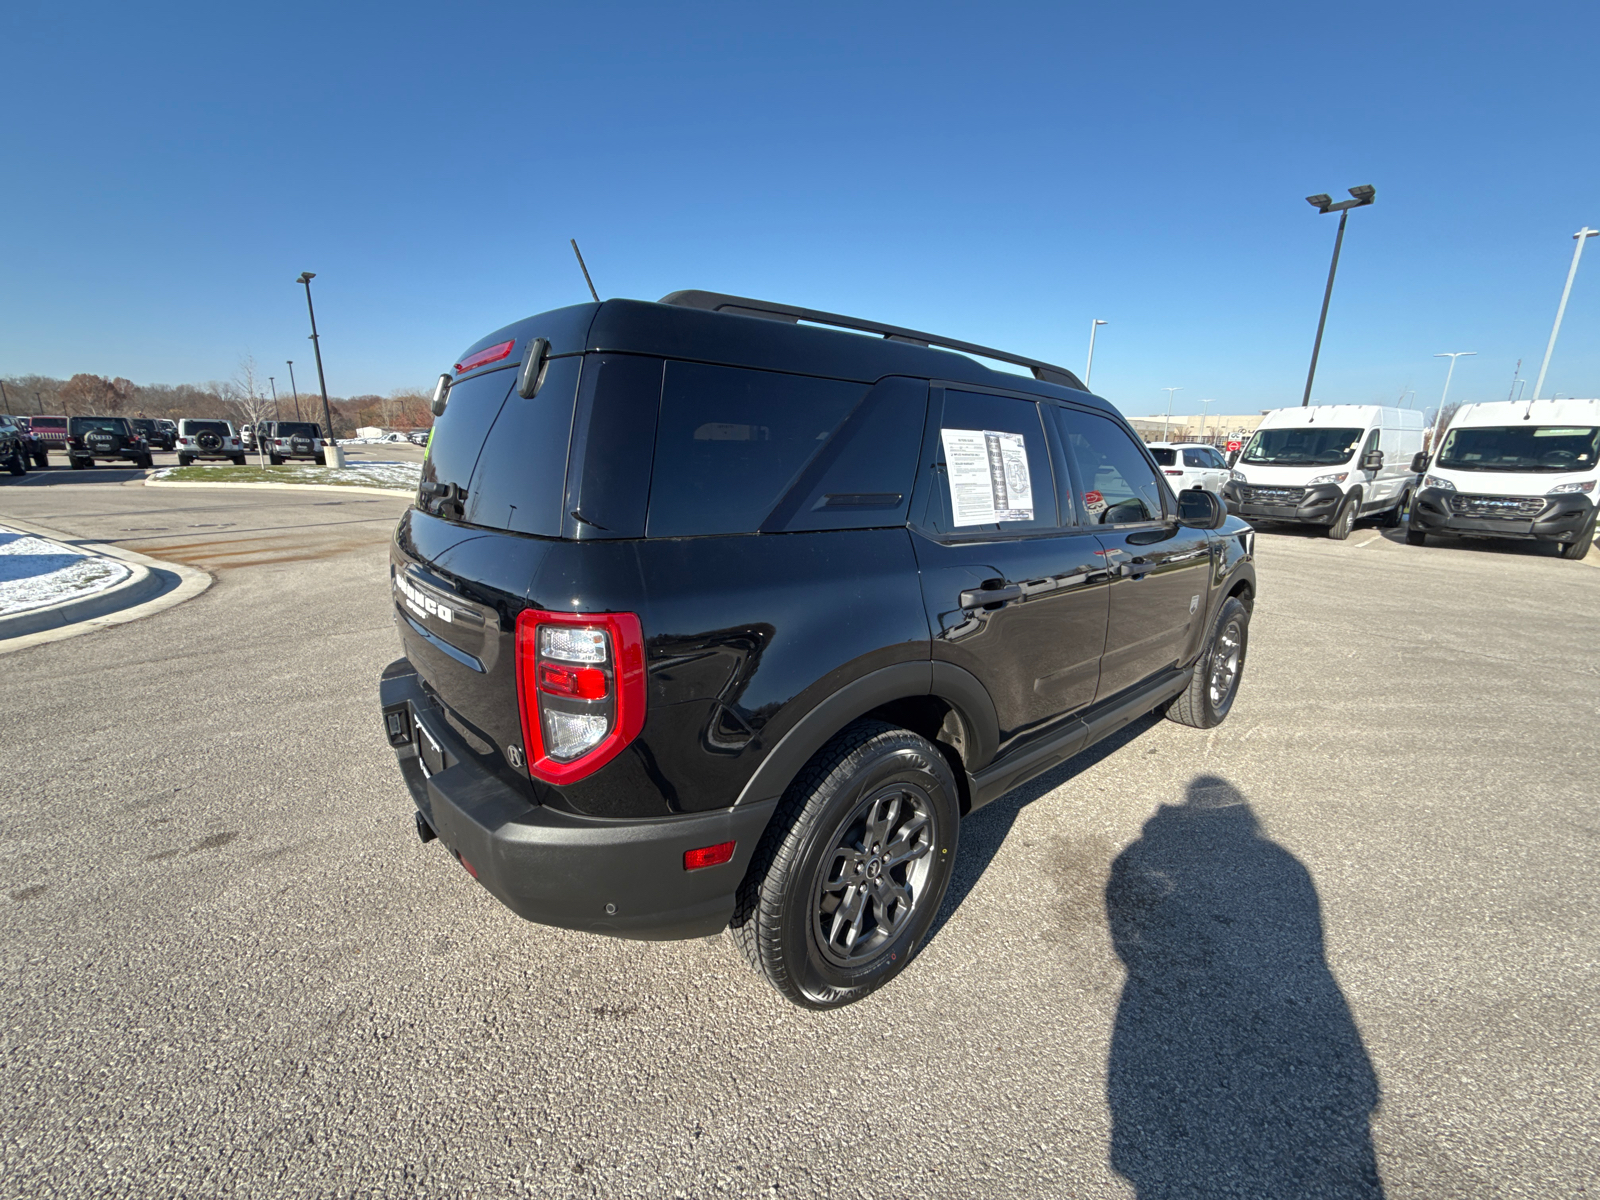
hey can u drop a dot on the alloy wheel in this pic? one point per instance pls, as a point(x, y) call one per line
point(1225, 658)
point(874, 876)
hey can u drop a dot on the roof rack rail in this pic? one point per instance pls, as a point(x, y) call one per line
point(745, 307)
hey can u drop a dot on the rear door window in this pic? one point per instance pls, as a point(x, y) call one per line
point(1116, 484)
point(993, 464)
point(731, 442)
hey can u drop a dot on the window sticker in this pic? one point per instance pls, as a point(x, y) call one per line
point(1094, 502)
point(988, 475)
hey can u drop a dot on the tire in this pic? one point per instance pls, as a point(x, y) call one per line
point(41, 460)
point(185, 460)
point(1415, 537)
point(1208, 699)
point(77, 464)
point(147, 461)
point(16, 464)
point(322, 460)
point(1344, 521)
point(1395, 517)
point(275, 459)
point(238, 460)
point(1579, 548)
point(789, 917)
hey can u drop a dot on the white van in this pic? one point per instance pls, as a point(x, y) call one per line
point(1328, 464)
point(1522, 469)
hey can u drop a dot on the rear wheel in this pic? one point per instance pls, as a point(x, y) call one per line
point(78, 464)
point(322, 460)
point(1345, 520)
point(238, 460)
point(1208, 699)
point(850, 874)
point(1580, 547)
point(185, 460)
point(41, 460)
point(17, 464)
point(275, 459)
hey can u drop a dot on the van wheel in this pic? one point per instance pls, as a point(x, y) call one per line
point(1206, 702)
point(851, 872)
point(1345, 521)
point(1580, 547)
point(1396, 516)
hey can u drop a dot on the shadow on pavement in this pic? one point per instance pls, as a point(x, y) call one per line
point(1236, 1068)
point(57, 473)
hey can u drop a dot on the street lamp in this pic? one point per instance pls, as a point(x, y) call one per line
point(1168, 421)
point(293, 389)
point(1323, 203)
point(327, 418)
point(1452, 356)
point(1205, 414)
point(273, 383)
point(1089, 369)
point(1583, 235)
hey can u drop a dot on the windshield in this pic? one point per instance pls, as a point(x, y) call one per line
point(1521, 448)
point(1303, 446)
point(82, 425)
point(289, 429)
point(1166, 458)
point(49, 422)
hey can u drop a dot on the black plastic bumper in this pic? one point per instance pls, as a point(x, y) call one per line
point(1563, 519)
point(1318, 507)
point(624, 878)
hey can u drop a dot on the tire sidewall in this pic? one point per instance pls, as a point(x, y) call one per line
point(822, 982)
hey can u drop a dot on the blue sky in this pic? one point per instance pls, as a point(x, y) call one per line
point(999, 173)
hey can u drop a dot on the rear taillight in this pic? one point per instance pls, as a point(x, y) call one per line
point(581, 687)
point(1174, 472)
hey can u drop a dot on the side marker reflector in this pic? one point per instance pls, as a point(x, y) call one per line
point(708, 856)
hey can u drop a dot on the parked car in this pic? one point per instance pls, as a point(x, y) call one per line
point(294, 439)
point(51, 432)
point(1190, 465)
point(92, 440)
point(156, 433)
point(734, 633)
point(1327, 465)
point(247, 437)
point(15, 446)
point(35, 449)
point(1526, 470)
point(418, 437)
point(208, 439)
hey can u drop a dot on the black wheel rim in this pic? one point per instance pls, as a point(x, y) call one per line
point(1227, 656)
point(874, 876)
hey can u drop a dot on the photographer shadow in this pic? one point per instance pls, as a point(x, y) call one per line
point(1236, 1068)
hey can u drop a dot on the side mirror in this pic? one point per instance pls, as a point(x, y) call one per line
point(441, 396)
point(1372, 460)
point(1419, 462)
point(1199, 509)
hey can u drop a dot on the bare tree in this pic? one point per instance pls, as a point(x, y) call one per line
point(245, 396)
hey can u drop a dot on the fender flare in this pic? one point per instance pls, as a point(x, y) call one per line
point(795, 748)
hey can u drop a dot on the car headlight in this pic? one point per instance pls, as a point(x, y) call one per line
point(1434, 481)
point(1563, 489)
point(1337, 477)
point(1237, 477)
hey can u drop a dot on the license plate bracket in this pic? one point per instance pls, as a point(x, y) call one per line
point(430, 752)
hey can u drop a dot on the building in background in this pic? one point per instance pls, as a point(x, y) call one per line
point(1220, 428)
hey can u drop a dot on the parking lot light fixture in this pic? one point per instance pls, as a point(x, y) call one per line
point(1583, 235)
point(1089, 367)
point(1168, 420)
point(1452, 355)
point(1205, 413)
point(1360, 197)
point(293, 390)
point(316, 345)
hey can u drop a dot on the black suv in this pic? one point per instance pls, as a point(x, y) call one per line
point(16, 446)
point(98, 439)
point(717, 619)
point(156, 433)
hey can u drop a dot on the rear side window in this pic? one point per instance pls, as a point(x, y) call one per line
point(993, 465)
point(731, 442)
point(1116, 486)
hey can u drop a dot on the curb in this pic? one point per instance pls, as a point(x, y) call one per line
point(152, 585)
point(284, 487)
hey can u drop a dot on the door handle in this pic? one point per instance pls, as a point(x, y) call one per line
point(982, 597)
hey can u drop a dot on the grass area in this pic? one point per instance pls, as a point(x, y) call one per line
point(395, 476)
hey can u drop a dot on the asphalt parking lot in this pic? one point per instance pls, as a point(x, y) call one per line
point(1344, 945)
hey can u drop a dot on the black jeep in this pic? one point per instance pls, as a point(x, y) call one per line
point(101, 439)
point(717, 619)
point(16, 446)
point(157, 433)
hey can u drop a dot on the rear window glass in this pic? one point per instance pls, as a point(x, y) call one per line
point(731, 442)
point(289, 429)
point(193, 427)
point(458, 433)
point(1165, 456)
point(520, 478)
point(82, 425)
point(144, 426)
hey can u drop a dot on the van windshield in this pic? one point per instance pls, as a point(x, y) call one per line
point(1303, 446)
point(1521, 448)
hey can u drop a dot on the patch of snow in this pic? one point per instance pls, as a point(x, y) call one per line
point(35, 571)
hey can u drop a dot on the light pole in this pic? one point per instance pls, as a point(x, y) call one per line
point(1583, 235)
point(7, 398)
point(294, 390)
point(1168, 421)
point(1323, 203)
point(1437, 421)
point(1205, 414)
point(273, 383)
point(327, 418)
point(1089, 368)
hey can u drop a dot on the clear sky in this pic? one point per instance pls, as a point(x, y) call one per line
point(999, 173)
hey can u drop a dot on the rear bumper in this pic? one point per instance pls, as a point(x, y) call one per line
point(623, 878)
point(1563, 519)
point(1319, 506)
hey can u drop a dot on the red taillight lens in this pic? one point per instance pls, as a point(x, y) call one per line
point(1174, 472)
point(483, 357)
point(708, 856)
point(581, 687)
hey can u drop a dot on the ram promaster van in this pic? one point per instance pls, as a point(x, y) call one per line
point(1328, 465)
point(1526, 469)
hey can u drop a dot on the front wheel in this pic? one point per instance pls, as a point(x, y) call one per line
point(1580, 547)
point(17, 465)
point(850, 874)
point(1345, 521)
point(1208, 699)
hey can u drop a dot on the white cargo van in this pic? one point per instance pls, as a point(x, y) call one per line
point(1328, 464)
point(1523, 469)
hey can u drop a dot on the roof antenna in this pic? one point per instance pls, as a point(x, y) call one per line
point(585, 270)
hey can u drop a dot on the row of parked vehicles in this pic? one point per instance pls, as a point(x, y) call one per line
point(90, 440)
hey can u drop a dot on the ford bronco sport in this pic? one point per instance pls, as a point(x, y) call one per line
point(714, 619)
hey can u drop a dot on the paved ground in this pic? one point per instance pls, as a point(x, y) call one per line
point(1344, 945)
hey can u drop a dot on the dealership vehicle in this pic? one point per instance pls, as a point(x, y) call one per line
point(1190, 465)
point(51, 432)
point(717, 619)
point(1328, 465)
point(293, 439)
point(208, 439)
point(157, 433)
point(418, 437)
point(1523, 469)
point(15, 446)
point(105, 439)
point(36, 451)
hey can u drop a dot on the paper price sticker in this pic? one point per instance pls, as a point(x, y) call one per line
point(988, 474)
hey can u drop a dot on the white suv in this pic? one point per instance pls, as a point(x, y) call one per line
point(208, 439)
point(1189, 465)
